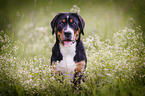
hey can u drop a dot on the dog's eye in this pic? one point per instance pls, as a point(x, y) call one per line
point(61, 23)
point(74, 24)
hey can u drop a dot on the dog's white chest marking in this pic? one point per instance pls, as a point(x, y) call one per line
point(67, 64)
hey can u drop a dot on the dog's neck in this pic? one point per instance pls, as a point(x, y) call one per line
point(68, 52)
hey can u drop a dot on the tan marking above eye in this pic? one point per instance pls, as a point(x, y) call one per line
point(63, 20)
point(71, 20)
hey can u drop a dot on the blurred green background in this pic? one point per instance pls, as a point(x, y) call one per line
point(103, 17)
point(115, 66)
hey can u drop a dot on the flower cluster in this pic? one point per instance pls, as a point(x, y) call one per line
point(75, 8)
point(123, 58)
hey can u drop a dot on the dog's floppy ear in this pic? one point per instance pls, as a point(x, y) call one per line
point(82, 23)
point(53, 22)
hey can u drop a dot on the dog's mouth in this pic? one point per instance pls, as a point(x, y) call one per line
point(68, 43)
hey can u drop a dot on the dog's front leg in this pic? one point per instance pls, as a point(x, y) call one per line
point(78, 72)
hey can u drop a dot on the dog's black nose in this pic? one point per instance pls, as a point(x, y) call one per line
point(67, 34)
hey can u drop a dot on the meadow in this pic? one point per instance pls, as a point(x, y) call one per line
point(113, 39)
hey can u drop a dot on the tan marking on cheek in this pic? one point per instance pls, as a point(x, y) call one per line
point(80, 66)
point(71, 20)
point(60, 36)
point(58, 33)
point(63, 20)
point(77, 34)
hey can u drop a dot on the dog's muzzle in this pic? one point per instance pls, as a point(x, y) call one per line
point(68, 39)
point(67, 35)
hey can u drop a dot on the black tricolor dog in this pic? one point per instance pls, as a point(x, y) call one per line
point(68, 49)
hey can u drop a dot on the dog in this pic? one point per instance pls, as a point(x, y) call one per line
point(68, 49)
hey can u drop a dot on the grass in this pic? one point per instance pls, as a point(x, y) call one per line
point(114, 68)
point(115, 52)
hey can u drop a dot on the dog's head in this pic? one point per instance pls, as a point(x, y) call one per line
point(67, 27)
